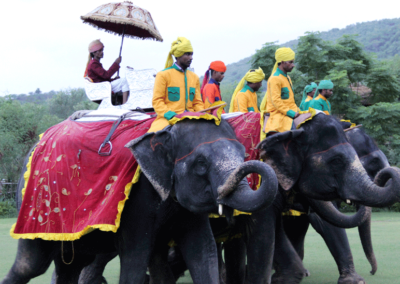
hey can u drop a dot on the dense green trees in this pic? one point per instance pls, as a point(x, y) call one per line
point(21, 123)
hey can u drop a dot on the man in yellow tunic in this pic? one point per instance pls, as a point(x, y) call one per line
point(244, 98)
point(279, 99)
point(176, 89)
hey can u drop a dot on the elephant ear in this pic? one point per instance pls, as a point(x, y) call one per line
point(281, 152)
point(154, 151)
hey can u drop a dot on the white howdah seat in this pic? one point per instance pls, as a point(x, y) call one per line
point(97, 91)
point(141, 83)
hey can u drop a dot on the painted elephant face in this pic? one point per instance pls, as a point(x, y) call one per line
point(193, 160)
point(324, 165)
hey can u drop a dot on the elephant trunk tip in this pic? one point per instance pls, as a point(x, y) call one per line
point(230, 184)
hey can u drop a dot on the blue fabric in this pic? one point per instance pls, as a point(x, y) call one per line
point(212, 81)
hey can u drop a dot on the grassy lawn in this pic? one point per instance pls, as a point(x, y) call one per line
point(385, 234)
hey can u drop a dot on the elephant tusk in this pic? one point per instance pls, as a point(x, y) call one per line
point(220, 209)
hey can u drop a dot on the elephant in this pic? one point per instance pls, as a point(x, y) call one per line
point(373, 160)
point(184, 169)
point(318, 162)
point(300, 157)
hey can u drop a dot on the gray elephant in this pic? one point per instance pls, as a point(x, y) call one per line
point(318, 162)
point(187, 164)
point(373, 160)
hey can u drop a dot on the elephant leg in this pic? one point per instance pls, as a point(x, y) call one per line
point(260, 246)
point(93, 273)
point(159, 268)
point(69, 273)
point(338, 244)
point(136, 235)
point(288, 266)
point(33, 259)
point(176, 262)
point(296, 229)
point(197, 245)
point(235, 259)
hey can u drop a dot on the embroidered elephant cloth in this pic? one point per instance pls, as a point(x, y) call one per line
point(247, 128)
point(69, 188)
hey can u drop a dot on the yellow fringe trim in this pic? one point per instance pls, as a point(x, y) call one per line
point(310, 110)
point(352, 124)
point(235, 213)
point(206, 116)
point(292, 212)
point(263, 135)
point(86, 230)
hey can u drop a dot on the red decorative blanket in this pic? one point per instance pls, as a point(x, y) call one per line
point(69, 188)
point(247, 128)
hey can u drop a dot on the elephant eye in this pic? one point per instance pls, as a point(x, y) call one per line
point(201, 166)
point(337, 161)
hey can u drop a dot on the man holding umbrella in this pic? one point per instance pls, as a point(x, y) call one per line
point(96, 72)
point(176, 88)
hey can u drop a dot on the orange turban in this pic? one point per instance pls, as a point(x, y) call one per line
point(218, 66)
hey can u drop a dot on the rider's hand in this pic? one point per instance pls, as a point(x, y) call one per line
point(118, 60)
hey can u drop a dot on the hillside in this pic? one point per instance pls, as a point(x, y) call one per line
point(380, 37)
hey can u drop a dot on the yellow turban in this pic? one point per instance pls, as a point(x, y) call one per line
point(282, 54)
point(253, 76)
point(178, 48)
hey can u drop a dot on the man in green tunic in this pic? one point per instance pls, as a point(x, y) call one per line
point(308, 95)
point(321, 96)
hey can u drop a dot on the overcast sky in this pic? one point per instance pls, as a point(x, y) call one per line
point(44, 42)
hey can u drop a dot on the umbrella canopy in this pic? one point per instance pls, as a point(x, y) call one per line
point(124, 19)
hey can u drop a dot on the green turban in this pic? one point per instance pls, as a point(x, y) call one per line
point(324, 85)
point(308, 89)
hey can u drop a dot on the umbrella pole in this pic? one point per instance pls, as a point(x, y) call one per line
point(122, 43)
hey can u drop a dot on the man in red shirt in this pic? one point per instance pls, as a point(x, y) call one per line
point(96, 72)
point(210, 88)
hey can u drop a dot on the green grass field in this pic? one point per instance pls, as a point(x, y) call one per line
point(385, 233)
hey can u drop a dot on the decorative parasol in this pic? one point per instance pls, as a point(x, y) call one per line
point(124, 19)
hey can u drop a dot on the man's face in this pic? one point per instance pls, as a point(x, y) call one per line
point(185, 60)
point(99, 53)
point(287, 66)
point(311, 94)
point(255, 86)
point(327, 93)
point(218, 76)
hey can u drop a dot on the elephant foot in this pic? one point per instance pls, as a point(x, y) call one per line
point(353, 278)
point(287, 278)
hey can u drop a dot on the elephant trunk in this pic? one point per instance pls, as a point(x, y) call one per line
point(364, 231)
point(332, 215)
point(236, 192)
point(383, 192)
